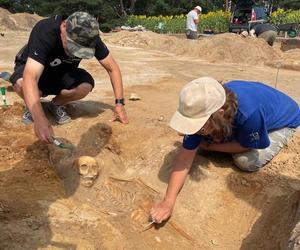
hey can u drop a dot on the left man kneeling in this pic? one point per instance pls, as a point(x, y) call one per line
point(48, 65)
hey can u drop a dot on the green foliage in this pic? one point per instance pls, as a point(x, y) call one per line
point(290, 16)
point(113, 13)
point(66, 6)
point(288, 4)
point(106, 11)
point(174, 7)
point(15, 5)
point(5, 4)
point(215, 21)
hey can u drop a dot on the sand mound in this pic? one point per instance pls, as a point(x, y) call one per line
point(233, 48)
point(224, 47)
point(4, 12)
point(291, 59)
point(19, 21)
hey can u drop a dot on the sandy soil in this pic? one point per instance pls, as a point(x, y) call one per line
point(44, 206)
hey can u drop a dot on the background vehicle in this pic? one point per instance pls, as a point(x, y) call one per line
point(289, 29)
point(244, 17)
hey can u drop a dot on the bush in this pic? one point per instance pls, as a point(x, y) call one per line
point(218, 21)
point(290, 16)
point(215, 21)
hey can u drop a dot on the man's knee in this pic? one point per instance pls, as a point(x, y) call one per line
point(83, 89)
point(18, 86)
point(78, 92)
point(244, 163)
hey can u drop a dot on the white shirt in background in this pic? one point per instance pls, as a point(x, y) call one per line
point(190, 24)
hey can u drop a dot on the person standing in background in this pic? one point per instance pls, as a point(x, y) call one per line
point(192, 22)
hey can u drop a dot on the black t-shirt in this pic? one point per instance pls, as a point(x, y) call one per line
point(45, 46)
point(260, 28)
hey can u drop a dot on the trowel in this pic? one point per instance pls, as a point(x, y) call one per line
point(62, 145)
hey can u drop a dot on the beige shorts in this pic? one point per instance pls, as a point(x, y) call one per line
point(269, 36)
point(255, 159)
point(190, 34)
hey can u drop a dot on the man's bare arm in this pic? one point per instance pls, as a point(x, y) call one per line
point(252, 33)
point(181, 166)
point(32, 72)
point(227, 147)
point(31, 76)
point(114, 72)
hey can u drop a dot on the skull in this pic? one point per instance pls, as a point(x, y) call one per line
point(89, 170)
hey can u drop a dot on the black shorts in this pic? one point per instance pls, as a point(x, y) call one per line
point(52, 84)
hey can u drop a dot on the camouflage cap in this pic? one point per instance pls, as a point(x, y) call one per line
point(82, 34)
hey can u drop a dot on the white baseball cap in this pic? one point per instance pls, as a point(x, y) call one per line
point(198, 8)
point(198, 100)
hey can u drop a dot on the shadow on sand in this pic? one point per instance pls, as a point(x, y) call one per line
point(274, 195)
point(29, 187)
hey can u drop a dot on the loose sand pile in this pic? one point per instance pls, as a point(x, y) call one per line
point(226, 47)
point(18, 21)
point(291, 59)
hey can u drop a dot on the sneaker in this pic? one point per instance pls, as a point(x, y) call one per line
point(5, 75)
point(27, 118)
point(59, 113)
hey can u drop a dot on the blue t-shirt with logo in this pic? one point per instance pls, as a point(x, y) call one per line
point(260, 109)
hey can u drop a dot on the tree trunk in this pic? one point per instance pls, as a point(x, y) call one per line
point(228, 4)
point(132, 4)
point(123, 12)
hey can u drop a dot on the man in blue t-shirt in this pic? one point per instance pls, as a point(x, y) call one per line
point(250, 120)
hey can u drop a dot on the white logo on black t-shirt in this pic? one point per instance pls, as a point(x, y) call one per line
point(55, 62)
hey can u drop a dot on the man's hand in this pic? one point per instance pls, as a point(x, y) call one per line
point(43, 130)
point(120, 114)
point(116, 80)
point(161, 211)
